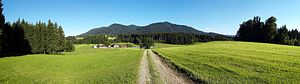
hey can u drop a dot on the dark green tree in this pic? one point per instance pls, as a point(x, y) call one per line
point(69, 46)
point(61, 39)
point(43, 40)
point(136, 41)
point(269, 30)
point(36, 43)
point(2, 33)
point(254, 30)
point(250, 30)
point(22, 37)
point(293, 34)
point(257, 31)
point(146, 43)
point(51, 38)
point(172, 38)
point(242, 33)
point(282, 36)
point(15, 42)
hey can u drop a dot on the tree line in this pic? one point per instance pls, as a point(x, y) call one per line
point(148, 39)
point(172, 38)
point(21, 37)
point(94, 39)
point(256, 31)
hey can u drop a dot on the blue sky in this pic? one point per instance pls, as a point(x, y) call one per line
point(221, 16)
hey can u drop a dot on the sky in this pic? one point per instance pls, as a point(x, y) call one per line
point(220, 16)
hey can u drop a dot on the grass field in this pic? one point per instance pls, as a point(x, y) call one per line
point(85, 65)
point(163, 45)
point(237, 62)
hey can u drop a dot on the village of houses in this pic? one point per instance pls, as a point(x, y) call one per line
point(114, 45)
point(111, 46)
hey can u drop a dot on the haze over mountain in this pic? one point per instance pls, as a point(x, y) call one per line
point(159, 27)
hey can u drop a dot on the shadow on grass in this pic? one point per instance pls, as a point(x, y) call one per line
point(10, 54)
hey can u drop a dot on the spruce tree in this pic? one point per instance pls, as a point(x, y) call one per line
point(50, 38)
point(282, 35)
point(61, 39)
point(43, 39)
point(56, 38)
point(2, 20)
point(69, 46)
point(22, 37)
point(35, 43)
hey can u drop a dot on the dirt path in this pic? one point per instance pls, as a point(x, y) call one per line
point(144, 77)
point(166, 74)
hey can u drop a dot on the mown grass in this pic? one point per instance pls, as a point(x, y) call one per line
point(85, 65)
point(237, 62)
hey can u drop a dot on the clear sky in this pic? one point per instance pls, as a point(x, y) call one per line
point(221, 16)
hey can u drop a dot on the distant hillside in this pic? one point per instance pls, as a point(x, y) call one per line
point(166, 27)
point(160, 27)
point(112, 29)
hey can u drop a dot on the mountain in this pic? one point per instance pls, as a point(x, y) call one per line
point(112, 29)
point(160, 27)
point(166, 27)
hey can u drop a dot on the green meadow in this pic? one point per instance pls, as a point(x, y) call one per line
point(237, 62)
point(211, 62)
point(164, 45)
point(84, 65)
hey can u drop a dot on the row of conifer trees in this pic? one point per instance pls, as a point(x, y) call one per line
point(22, 37)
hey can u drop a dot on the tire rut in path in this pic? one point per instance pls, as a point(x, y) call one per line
point(166, 74)
point(144, 76)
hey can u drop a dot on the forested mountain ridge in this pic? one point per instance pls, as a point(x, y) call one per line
point(112, 29)
point(159, 27)
point(167, 27)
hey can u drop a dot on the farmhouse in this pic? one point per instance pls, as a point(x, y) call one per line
point(100, 46)
point(116, 46)
point(95, 47)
